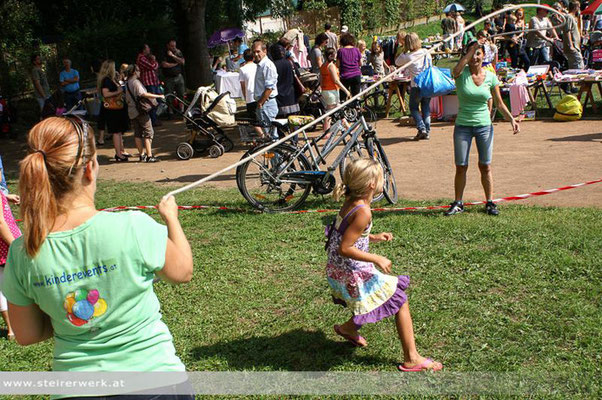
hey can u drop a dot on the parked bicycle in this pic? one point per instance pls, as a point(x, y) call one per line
point(281, 178)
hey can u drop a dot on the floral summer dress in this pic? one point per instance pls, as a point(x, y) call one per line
point(12, 226)
point(358, 285)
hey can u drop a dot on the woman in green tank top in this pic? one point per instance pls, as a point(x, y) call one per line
point(475, 87)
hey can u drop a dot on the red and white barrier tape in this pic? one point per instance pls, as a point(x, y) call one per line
point(474, 203)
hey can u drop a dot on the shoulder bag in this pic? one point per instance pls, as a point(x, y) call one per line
point(143, 104)
point(433, 82)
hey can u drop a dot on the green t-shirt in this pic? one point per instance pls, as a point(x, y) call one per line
point(38, 74)
point(472, 99)
point(95, 282)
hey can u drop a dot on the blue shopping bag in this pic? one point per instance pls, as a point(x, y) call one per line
point(434, 81)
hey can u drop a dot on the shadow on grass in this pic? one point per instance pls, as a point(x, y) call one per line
point(297, 350)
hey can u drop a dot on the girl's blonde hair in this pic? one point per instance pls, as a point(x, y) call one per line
point(107, 69)
point(358, 177)
point(412, 42)
point(361, 43)
point(59, 149)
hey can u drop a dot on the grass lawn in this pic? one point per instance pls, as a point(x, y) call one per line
point(518, 293)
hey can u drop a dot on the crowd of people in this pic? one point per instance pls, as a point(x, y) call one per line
point(122, 93)
point(270, 75)
point(549, 37)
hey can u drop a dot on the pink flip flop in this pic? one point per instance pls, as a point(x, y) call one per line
point(349, 338)
point(425, 366)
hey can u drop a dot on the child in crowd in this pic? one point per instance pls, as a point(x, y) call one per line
point(377, 59)
point(490, 58)
point(361, 46)
point(351, 270)
point(331, 83)
point(9, 231)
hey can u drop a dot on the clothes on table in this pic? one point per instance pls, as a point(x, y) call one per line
point(519, 95)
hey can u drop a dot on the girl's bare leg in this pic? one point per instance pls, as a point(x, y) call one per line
point(405, 330)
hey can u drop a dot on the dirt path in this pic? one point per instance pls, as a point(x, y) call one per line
point(544, 155)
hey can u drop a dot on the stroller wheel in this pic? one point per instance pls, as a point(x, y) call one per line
point(216, 151)
point(226, 143)
point(184, 151)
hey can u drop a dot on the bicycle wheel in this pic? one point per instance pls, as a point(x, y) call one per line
point(355, 152)
point(376, 152)
point(258, 179)
point(225, 141)
point(376, 101)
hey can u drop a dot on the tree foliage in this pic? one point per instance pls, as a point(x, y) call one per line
point(17, 42)
point(89, 30)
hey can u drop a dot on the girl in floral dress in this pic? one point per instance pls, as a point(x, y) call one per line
point(351, 270)
point(9, 231)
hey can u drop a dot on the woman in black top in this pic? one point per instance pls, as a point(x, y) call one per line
point(286, 98)
point(116, 119)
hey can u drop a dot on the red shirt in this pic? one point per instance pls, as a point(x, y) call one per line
point(148, 70)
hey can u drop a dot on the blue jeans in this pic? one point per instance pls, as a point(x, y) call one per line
point(423, 120)
point(154, 89)
point(265, 115)
point(539, 55)
point(463, 140)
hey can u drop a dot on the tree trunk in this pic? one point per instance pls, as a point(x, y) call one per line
point(478, 8)
point(198, 68)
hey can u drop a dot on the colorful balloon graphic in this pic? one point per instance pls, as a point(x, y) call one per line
point(100, 308)
point(83, 309)
point(68, 304)
point(93, 296)
point(84, 305)
point(76, 321)
point(81, 294)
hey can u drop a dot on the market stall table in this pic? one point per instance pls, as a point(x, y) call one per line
point(586, 87)
point(399, 86)
point(586, 79)
point(228, 82)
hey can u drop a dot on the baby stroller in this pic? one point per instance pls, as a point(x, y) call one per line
point(205, 121)
point(559, 60)
point(54, 105)
point(311, 103)
point(592, 53)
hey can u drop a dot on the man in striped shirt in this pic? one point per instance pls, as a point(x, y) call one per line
point(148, 65)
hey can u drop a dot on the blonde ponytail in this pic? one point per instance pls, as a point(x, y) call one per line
point(339, 191)
point(49, 173)
point(38, 205)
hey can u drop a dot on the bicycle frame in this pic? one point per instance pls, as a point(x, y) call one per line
point(349, 138)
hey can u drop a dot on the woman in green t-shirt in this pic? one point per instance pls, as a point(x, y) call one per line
point(475, 86)
point(83, 277)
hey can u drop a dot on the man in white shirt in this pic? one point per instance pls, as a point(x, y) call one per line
point(265, 90)
point(538, 41)
point(246, 76)
point(247, 83)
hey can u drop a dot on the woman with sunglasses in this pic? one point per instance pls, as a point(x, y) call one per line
point(85, 278)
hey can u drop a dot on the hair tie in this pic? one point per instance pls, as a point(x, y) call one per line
point(43, 154)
